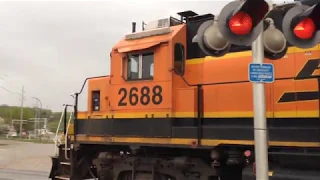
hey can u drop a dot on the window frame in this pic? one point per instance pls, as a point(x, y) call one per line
point(140, 65)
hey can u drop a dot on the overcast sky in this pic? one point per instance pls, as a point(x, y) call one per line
point(51, 47)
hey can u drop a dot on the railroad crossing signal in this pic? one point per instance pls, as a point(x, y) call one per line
point(301, 25)
point(241, 22)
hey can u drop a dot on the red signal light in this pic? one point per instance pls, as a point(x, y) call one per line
point(305, 28)
point(240, 23)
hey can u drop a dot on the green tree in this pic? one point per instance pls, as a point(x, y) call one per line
point(8, 113)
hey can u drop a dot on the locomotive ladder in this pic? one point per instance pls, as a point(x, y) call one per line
point(61, 163)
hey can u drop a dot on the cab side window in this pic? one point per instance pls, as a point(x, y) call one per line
point(140, 66)
point(95, 101)
point(179, 59)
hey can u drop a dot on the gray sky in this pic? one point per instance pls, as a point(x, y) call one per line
point(51, 47)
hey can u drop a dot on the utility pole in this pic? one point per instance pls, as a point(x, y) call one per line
point(38, 113)
point(21, 111)
point(35, 121)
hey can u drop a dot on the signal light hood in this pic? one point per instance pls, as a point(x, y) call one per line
point(300, 31)
point(210, 40)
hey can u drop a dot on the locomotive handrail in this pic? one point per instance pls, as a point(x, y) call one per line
point(66, 137)
point(57, 131)
point(85, 81)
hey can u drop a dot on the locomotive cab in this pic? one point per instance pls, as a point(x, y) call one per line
point(143, 67)
point(141, 72)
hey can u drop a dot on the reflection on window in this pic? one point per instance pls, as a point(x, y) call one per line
point(133, 67)
point(140, 66)
point(179, 59)
point(95, 100)
point(151, 70)
point(147, 62)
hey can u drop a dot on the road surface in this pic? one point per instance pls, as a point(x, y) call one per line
point(24, 160)
point(6, 174)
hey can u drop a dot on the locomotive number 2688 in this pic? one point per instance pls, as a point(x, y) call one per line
point(145, 96)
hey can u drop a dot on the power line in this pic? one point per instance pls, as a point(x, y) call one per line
point(21, 106)
point(3, 78)
point(10, 90)
point(20, 96)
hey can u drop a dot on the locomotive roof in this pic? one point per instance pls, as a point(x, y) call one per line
point(147, 38)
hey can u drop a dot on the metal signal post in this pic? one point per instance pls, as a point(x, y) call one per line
point(245, 20)
point(259, 109)
point(260, 121)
